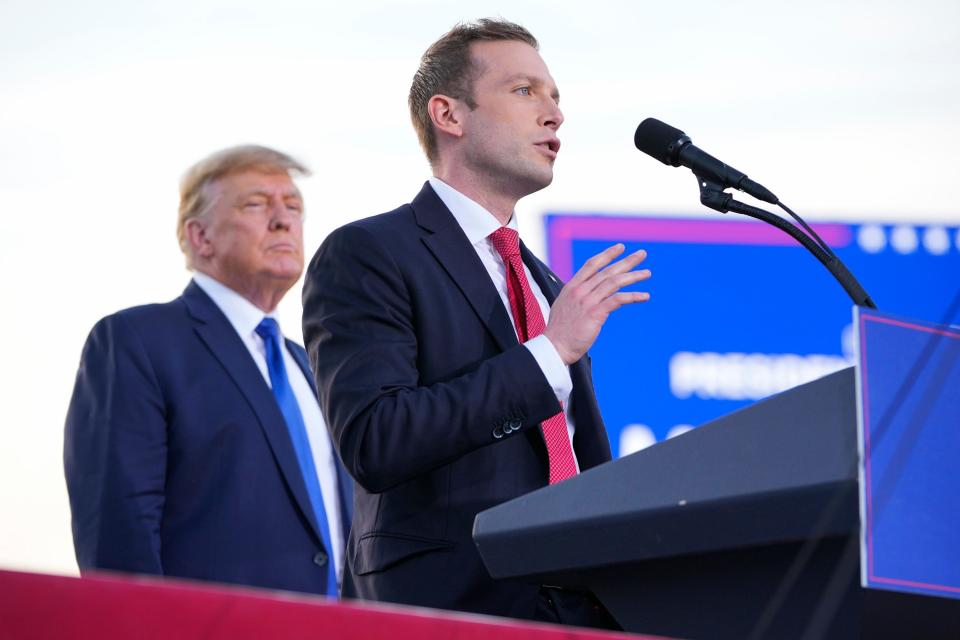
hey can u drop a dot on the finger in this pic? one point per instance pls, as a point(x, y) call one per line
point(618, 300)
point(596, 263)
point(628, 263)
point(612, 285)
point(622, 266)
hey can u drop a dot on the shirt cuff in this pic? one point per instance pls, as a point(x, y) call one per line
point(556, 372)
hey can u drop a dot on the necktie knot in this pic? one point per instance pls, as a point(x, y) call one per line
point(268, 329)
point(507, 242)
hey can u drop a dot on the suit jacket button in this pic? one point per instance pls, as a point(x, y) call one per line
point(514, 425)
point(497, 433)
point(320, 559)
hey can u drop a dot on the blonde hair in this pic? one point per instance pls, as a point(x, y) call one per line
point(195, 185)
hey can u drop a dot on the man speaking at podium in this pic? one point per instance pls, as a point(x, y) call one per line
point(194, 443)
point(450, 362)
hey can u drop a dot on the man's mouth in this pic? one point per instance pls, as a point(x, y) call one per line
point(551, 146)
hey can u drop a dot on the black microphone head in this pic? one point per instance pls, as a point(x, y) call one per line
point(660, 140)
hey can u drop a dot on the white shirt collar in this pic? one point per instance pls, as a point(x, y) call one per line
point(243, 315)
point(476, 222)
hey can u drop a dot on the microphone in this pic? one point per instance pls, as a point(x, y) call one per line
point(673, 147)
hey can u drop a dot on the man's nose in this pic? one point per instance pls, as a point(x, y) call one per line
point(281, 217)
point(552, 115)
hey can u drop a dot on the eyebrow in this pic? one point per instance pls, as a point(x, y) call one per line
point(295, 193)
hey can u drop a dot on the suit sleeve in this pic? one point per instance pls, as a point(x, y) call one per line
point(115, 453)
point(360, 327)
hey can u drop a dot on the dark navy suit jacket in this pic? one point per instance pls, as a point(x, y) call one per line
point(432, 402)
point(178, 460)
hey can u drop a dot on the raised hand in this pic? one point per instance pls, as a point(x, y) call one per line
point(586, 301)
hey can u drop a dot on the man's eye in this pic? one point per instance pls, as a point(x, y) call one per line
point(252, 204)
point(524, 91)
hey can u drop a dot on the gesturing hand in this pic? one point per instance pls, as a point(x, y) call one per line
point(589, 297)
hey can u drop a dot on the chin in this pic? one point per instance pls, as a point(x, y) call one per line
point(533, 182)
point(541, 174)
point(288, 272)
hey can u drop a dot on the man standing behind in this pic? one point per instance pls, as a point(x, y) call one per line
point(450, 362)
point(194, 443)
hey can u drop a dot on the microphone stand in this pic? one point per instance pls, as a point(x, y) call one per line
point(713, 196)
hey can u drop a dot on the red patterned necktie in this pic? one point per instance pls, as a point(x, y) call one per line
point(528, 319)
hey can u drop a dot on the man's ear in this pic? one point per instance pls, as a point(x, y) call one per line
point(446, 113)
point(197, 237)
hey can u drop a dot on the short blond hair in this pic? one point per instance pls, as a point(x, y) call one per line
point(195, 199)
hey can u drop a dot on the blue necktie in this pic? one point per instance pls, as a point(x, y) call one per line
point(283, 392)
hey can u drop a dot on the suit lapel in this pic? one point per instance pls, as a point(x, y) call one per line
point(589, 440)
point(344, 481)
point(301, 357)
point(218, 334)
point(449, 245)
point(546, 279)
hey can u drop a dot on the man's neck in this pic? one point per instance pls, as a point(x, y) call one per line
point(265, 298)
point(494, 200)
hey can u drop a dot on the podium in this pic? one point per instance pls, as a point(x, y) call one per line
point(744, 527)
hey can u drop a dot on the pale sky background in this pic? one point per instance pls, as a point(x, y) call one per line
point(847, 110)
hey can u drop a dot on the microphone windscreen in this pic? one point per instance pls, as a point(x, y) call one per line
point(658, 139)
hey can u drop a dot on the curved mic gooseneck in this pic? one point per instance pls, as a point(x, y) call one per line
point(713, 196)
point(673, 147)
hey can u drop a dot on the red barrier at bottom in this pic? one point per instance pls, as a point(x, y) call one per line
point(108, 606)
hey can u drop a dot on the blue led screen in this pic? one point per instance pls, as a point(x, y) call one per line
point(739, 310)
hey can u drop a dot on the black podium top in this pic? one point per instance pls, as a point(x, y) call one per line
point(761, 475)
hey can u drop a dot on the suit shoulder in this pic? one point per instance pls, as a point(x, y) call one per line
point(157, 320)
point(149, 313)
point(399, 220)
point(387, 233)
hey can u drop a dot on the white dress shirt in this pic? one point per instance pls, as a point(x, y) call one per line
point(478, 223)
point(244, 316)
